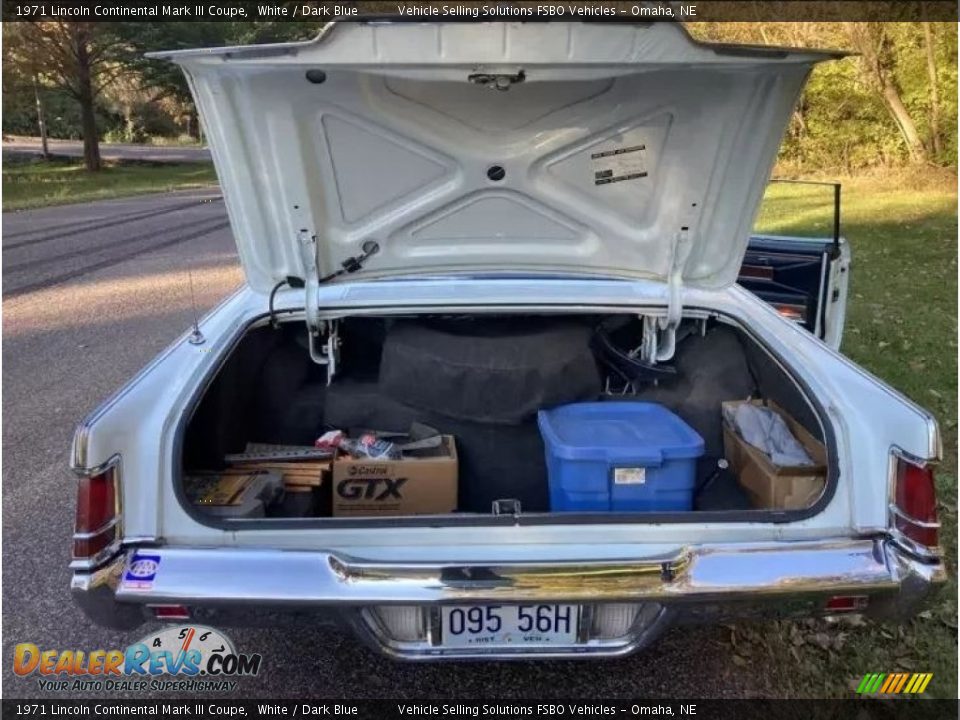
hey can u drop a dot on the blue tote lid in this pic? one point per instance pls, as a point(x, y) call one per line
point(638, 432)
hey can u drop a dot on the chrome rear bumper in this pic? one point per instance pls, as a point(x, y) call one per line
point(702, 583)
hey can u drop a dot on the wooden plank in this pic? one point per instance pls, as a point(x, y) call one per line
point(312, 482)
point(288, 467)
point(298, 488)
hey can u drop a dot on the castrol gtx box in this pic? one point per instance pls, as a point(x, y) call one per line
point(409, 486)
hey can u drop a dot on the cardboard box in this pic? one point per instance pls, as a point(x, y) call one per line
point(775, 486)
point(411, 486)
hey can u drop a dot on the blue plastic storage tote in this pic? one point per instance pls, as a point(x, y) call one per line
point(619, 456)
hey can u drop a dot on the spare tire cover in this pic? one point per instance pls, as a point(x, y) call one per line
point(488, 369)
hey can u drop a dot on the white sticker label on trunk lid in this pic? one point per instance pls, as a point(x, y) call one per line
point(617, 164)
point(629, 476)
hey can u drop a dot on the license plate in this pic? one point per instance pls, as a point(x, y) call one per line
point(509, 625)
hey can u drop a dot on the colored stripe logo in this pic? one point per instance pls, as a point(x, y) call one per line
point(894, 683)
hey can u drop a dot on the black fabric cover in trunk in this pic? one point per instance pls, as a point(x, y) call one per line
point(489, 370)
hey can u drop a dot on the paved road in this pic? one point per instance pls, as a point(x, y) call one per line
point(91, 293)
point(109, 151)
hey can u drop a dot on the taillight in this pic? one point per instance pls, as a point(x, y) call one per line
point(915, 503)
point(97, 513)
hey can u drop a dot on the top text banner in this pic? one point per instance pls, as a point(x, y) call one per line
point(306, 10)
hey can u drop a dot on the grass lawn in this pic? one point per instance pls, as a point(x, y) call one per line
point(32, 183)
point(902, 326)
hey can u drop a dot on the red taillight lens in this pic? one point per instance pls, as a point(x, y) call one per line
point(96, 519)
point(916, 503)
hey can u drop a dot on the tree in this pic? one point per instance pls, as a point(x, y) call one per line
point(41, 119)
point(930, 50)
point(80, 58)
point(20, 78)
point(163, 80)
point(878, 59)
point(847, 118)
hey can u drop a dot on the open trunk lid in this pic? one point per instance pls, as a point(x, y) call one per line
point(612, 149)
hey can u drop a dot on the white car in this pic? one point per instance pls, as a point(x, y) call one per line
point(438, 222)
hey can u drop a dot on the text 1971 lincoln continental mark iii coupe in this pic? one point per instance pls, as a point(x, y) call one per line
point(521, 241)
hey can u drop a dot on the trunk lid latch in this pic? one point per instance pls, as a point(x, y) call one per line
point(506, 506)
point(498, 81)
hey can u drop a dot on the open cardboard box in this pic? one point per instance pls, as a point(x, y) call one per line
point(775, 486)
point(411, 486)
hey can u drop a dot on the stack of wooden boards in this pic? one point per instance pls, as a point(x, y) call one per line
point(302, 468)
point(298, 477)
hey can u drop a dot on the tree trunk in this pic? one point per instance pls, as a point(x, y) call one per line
point(129, 125)
point(878, 62)
point(930, 47)
point(195, 131)
point(41, 121)
point(88, 126)
point(88, 118)
point(915, 146)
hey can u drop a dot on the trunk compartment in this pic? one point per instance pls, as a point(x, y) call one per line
point(482, 379)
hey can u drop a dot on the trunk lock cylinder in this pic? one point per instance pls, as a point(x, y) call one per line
point(498, 81)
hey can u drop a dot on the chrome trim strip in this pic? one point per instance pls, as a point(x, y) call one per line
point(912, 520)
point(91, 563)
point(108, 525)
point(914, 549)
point(899, 452)
point(112, 461)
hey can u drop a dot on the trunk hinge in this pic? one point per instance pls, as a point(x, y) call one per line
point(308, 253)
point(660, 333)
point(322, 335)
